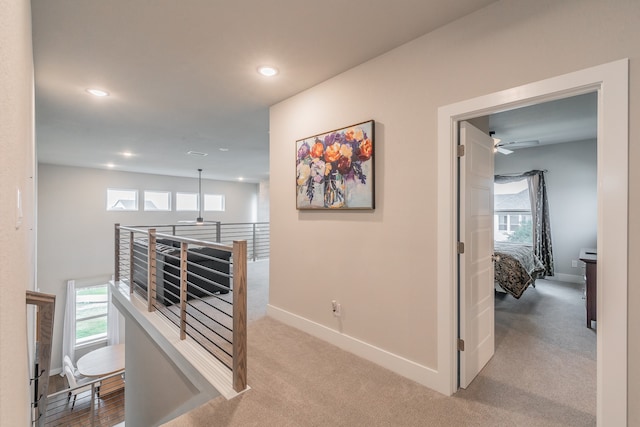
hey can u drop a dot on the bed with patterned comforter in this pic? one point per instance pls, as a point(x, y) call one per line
point(516, 267)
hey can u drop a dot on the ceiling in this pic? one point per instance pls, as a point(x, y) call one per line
point(563, 120)
point(182, 76)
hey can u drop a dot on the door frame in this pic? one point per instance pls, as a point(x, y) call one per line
point(611, 82)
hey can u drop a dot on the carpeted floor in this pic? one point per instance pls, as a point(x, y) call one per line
point(543, 374)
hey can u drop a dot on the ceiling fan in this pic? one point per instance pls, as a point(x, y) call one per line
point(507, 148)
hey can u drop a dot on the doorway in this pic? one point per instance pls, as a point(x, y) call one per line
point(612, 220)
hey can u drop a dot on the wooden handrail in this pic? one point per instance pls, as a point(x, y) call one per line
point(151, 270)
point(46, 306)
point(116, 276)
point(183, 290)
point(238, 252)
point(239, 315)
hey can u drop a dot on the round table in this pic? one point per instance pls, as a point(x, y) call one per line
point(103, 361)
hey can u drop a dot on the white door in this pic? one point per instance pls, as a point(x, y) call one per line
point(476, 291)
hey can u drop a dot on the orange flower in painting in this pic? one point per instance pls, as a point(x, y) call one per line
point(332, 152)
point(317, 150)
point(365, 150)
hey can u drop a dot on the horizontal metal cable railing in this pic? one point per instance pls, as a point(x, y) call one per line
point(99, 402)
point(197, 284)
point(257, 234)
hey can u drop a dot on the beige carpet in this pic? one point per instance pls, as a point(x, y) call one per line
point(543, 374)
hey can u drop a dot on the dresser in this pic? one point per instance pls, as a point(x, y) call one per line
point(590, 258)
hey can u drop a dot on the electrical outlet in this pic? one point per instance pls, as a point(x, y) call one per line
point(574, 263)
point(336, 308)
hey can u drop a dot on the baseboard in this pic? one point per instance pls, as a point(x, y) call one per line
point(56, 371)
point(572, 278)
point(424, 375)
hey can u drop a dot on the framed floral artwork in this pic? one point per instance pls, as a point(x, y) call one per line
point(334, 170)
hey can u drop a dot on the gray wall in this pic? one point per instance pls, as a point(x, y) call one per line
point(76, 231)
point(155, 386)
point(572, 191)
point(381, 265)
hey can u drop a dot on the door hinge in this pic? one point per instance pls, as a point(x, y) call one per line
point(460, 150)
point(460, 344)
point(460, 247)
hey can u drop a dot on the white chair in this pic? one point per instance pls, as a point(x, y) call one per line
point(73, 383)
point(66, 360)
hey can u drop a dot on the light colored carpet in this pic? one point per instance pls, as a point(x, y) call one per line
point(543, 374)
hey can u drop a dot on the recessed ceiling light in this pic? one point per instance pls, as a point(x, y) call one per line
point(111, 165)
point(223, 149)
point(240, 179)
point(197, 153)
point(127, 154)
point(98, 92)
point(268, 71)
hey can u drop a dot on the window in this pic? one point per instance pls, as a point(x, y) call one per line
point(122, 200)
point(512, 212)
point(213, 202)
point(186, 201)
point(91, 313)
point(157, 201)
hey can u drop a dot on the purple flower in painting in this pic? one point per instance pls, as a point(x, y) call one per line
point(330, 139)
point(303, 151)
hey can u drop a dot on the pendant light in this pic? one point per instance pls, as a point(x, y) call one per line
point(199, 220)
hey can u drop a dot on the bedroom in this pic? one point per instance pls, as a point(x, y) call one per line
point(546, 323)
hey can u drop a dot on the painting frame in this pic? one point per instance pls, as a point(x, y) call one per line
point(335, 170)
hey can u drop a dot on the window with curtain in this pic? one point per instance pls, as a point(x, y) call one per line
point(512, 212)
point(91, 314)
point(514, 222)
point(89, 317)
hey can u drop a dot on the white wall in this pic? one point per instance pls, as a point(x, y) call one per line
point(263, 202)
point(572, 191)
point(76, 232)
point(16, 173)
point(381, 265)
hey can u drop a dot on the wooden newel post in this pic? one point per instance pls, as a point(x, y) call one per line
point(116, 275)
point(239, 315)
point(151, 270)
point(131, 261)
point(183, 290)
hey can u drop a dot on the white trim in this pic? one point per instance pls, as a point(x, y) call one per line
point(412, 370)
point(195, 363)
point(570, 278)
point(612, 83)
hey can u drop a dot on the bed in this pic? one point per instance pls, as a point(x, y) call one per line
point(516, 267)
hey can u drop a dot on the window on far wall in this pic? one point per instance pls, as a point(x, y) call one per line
point(122, 200)
point(157, 200)
point(91, 314)
point(512, 213)
point(186, 201)
point(213, 202)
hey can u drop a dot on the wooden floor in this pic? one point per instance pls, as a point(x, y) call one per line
point(109, 408)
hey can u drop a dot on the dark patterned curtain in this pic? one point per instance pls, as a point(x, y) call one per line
point(539, 215)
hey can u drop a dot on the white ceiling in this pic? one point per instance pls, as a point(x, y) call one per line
point(182, 74)
point(564, 120)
